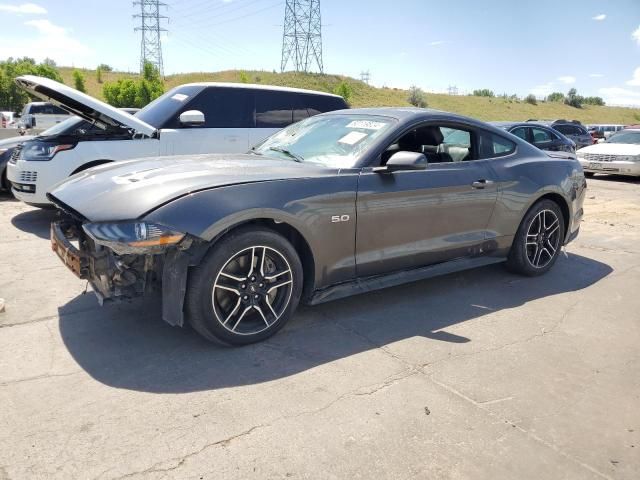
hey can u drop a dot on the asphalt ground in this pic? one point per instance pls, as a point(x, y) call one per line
point(481, 374)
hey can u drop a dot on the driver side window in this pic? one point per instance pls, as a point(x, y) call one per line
point(439, 144)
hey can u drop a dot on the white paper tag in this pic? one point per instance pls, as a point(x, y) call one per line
point(352, 138)
point(366, 124)
point(181, 97)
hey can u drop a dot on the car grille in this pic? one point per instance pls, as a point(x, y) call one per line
point(15, 154)
point(28, 176)
point(599, 157)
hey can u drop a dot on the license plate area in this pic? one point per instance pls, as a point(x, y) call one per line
point(74, 259)
point(595, 166)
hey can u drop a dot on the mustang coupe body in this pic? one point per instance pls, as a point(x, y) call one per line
point(338, 204)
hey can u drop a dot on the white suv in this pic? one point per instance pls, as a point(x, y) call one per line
point(190, 119)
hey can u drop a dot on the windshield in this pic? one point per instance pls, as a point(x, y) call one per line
point(163, 108)
point(336, 141)
point(625, 137)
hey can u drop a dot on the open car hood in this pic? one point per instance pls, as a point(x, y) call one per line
point(81, 104)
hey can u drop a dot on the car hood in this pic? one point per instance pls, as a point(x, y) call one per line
point(81, 104)
point(561, 155)
point(612, 149)
point(130, 189)
point(14, 141)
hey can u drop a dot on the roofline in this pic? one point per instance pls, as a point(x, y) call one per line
point(254, 86)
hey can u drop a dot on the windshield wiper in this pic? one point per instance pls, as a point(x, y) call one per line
point(288, 153)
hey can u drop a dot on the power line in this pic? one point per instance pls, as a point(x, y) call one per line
point(150, 44)
point(302, 35)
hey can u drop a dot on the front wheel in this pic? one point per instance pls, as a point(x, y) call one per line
point(537, 243)
point(246, 288)
point(589, 174)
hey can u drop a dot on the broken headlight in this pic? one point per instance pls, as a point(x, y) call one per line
point(132, 235)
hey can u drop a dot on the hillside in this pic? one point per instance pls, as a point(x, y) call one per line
point(367, 96)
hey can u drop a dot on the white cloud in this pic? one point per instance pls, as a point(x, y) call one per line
point(45, 27)
point(636, 35)
point(599, 18)
point(49, 40)
point(620, 96)
point(567, 79)
point(543, 90)
point(437, 42)
point(25, 8)
point(635, 81)
point(596, 75)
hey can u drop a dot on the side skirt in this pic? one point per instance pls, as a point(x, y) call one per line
point(377, 282)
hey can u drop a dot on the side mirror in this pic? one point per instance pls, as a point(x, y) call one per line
point(192, 118)
point(601, 140)
point(404, 161)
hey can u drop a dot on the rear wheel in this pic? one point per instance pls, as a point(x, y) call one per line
point(246, 288)
point(537, 243)
point(589, 174)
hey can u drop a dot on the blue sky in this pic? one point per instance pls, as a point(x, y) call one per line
point(507, 46)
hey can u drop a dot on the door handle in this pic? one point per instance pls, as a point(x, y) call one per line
point(481, 183)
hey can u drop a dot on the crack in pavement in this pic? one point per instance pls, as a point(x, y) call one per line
point(38, 377)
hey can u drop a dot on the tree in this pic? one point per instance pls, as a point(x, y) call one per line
point(344, 90)
point(13, 97)
point(573, 99)
point(99, 74)
point(78, 81)
point(135, 93)
point(417, 98)
point(485, 92)
point(105, 68)
point(244, 78)
point(531, 99)
point(555, 97)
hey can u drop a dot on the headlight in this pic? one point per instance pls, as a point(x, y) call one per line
point(135, 235)
point(42, 151)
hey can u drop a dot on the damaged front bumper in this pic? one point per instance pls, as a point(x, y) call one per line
point(125, 276)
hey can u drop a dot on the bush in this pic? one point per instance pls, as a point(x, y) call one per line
point(344, 90)
point(244, 78)
point(78, 81)
point(594, 101)
point(531, 99)
point(485, 92)
point(417, 97)
point(556, 97)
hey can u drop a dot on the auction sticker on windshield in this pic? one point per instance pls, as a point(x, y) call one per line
point(366, 125)
point(352, 138)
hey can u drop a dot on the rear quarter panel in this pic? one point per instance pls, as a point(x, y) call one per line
point(523, 180)
point(306, 204)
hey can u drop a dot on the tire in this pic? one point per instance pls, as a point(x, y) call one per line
point(246, 288)
point(535, 249)
point(589, 174)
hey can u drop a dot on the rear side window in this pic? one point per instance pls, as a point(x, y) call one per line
point(320, 104)
point(274, 109)
point(492, 145)
point(222, 108)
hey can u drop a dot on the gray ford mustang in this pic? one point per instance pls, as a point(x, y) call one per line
point(335, 205)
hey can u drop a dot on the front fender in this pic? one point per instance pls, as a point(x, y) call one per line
point(307, 205)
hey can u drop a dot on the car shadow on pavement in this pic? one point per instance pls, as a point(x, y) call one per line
point(129, 346)
point(616, 178)
point(37, 222)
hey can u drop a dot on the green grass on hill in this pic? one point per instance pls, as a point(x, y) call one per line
point(483, 108)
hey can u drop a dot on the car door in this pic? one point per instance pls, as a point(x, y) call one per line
point(409, 219)
point(228, 117)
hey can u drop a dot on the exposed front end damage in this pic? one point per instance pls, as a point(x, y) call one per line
point(117, 274)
